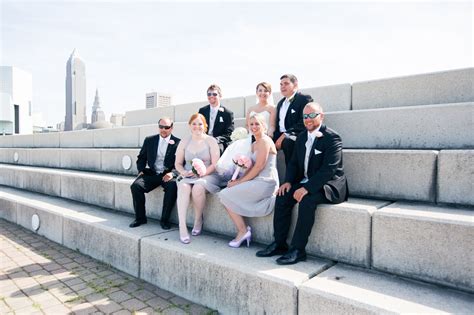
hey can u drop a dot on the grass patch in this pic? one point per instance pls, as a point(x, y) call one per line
point(78, 298)
point(37, 306)
point(95, 287)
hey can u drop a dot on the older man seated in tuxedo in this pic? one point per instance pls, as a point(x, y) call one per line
point(220, 120)
point(314, 175)
point(155, 164)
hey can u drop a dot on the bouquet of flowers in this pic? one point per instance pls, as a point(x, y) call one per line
point(242, 162)
point(197, 167)
point(241, 144)
point(239, 133)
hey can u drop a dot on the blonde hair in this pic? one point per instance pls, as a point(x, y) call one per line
point(260, 119)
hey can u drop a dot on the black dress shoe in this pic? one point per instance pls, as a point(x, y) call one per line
point(137, 223)
point(165, 225)
point(272, 250)
point(292, 257)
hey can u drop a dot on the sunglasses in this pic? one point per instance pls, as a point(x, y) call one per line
point(212, 94)
point(310, 115)
point(165, 127)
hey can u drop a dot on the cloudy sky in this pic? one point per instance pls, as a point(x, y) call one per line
point(133, 47)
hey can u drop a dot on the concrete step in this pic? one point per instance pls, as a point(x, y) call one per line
point(347, 290)
point(233, 281)
point(386, 174)
point(341, 232)
point(426, 242)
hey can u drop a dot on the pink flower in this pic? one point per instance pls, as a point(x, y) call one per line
point(171, 142)
point(242, 161)
point(319, 134)
point(198, 167)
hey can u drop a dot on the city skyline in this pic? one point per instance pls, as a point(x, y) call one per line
point(181, 48)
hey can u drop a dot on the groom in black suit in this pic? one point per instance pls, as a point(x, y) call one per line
point(289, 115)
point(155, 164)
point(314, 175)
point(219, 119)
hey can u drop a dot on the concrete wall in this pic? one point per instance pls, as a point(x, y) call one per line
point(454, 86)
point(148, 116)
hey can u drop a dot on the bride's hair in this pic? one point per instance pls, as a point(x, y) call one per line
point(268, 87)
point(261, 120)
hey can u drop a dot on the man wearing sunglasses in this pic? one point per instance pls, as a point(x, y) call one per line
point(155, 164)
point(219, 119)
point(314, 175)
point(289, 115)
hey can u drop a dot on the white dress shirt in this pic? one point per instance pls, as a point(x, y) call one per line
point(309, 146)
point(212, 118)
point(284, 111)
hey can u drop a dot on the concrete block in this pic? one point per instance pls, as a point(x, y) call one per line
point(236, 105)
point(122, 137)
point(233, 281)
point(46, 140)
point(183, 112)
point(45, 157)
point(6, 141)
point(406, 127)
point(81, 159)
point(454, 86)
point(347, 290)
point(333, 98)
point(148, 116)
point(148, 130)
point(455, 174)
point(8, 176)
point(8, 155)
point(23, 141)
point(39, 180)
point(8, 207)
point(93, 189)
point(425, 242)
point(391, 174)
point(77, 139)
point(51, 222)
point(111, 161)
point(87, 232)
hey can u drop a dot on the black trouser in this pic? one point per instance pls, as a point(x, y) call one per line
point(306, 214)
point(146, 183)
point(287, 146)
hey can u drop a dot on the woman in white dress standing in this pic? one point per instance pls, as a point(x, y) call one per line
point(264, 106)
point(253, 195)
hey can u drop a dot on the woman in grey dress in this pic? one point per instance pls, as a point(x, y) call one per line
point(198, 145)
point(253, 195)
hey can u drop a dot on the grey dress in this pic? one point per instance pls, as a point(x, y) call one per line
point(256, 197)
point(212, 182)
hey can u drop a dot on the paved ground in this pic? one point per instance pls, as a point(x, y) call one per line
point(38, 276)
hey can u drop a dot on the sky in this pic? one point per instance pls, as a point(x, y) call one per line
point(181, 47)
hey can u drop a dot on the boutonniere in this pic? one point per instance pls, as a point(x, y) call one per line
point(171, 142)
point(319, 134)
point(221, 109)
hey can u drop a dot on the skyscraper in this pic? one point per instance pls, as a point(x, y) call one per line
point(97, 112)
point(76, 117)
point(151, 99)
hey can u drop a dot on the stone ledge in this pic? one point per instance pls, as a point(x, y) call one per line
point(348, 290)
point(231, 280)
point(425, 242)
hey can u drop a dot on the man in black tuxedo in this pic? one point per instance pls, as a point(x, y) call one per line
point(314, 175)
point(289, 115)
point(219, 119)
point(155, 164)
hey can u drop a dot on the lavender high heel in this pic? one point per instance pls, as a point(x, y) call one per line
point(185, 240)
point(247, 237)
point(196, 232)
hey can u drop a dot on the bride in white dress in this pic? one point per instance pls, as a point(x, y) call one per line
point(264, 106)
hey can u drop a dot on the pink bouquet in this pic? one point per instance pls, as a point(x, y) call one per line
point(242, 162)
point(199, 169)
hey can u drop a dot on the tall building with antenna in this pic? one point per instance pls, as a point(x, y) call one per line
point(76, 117)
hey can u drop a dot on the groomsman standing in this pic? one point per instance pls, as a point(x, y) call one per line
point(314, 175)
point(289, 115)
point(219, 119)
point(155, 164)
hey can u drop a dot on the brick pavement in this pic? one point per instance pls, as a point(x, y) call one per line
point(38, 276)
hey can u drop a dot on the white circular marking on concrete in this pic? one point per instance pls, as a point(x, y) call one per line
point(35, 222)
point(126, 162)
point(16, 157)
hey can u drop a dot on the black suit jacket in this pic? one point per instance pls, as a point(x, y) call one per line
point(147, 157)
point(325, 168)
point(223, 124)
point(294, 116)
